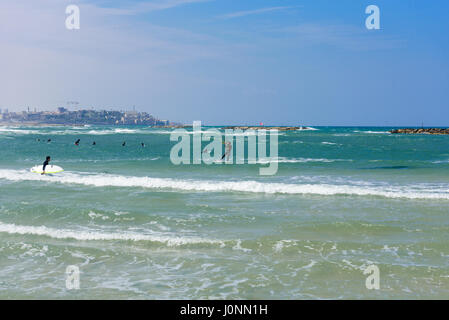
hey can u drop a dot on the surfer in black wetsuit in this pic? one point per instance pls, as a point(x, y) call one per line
point(77, 142)
point(124, 143)
point(47, 160)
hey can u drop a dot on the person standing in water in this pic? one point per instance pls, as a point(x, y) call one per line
point(45, 164)
point(228, 149)
point(124, 143)
point(77, 142)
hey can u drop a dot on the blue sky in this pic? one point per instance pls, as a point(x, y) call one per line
point(232, 62)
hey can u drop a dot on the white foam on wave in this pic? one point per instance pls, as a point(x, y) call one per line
point(329, 143)
point(105, 132)
point(48, 131)
point(305, 160)
point(102, 160)
point(372, 132)
point(295, 160)
point(414, 191)
point(85, 235)
point(441, 161)
point(13, 130)
point(307, 129)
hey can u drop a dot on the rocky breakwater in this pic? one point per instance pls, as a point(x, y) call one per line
point(422, 131)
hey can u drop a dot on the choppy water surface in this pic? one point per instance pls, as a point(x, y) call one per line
point(140, 227)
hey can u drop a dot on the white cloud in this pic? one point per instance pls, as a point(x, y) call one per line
point(108, 61)
point(341, 35)
point(239, 14)
point(144, 7)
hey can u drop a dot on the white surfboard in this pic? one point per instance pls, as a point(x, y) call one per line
point(48, 169)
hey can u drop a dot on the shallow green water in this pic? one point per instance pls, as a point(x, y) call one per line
point(140, 227)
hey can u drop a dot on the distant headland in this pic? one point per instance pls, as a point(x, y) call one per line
point(421, 131)
point(80, 117)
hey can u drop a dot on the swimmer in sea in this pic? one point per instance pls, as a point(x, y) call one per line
point(124, 143)
point(77, 142)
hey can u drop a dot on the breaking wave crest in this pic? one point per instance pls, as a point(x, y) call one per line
point(101, 236)
point(415, 191)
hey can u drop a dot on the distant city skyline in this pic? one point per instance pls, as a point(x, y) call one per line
point(82, 116)
point(73, 108)
point(232, 62)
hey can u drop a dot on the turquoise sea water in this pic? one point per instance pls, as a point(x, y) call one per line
point(139, 227)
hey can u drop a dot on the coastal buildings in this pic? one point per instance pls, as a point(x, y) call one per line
point(83, 116)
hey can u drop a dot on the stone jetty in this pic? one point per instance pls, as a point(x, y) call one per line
point(421, 131)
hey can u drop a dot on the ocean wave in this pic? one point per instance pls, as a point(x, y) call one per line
point(308, 129)
point(295, 160)
point(305, 160)
point(372, 132)
point(102, 160)
point(107, 132)
point(8, 130)
point(415, 191)
point(89, 131)
point(441, 161)
point(236, 134)
point(84, 235)
point(329, 143)
point(95, 132)
point(48, 131)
